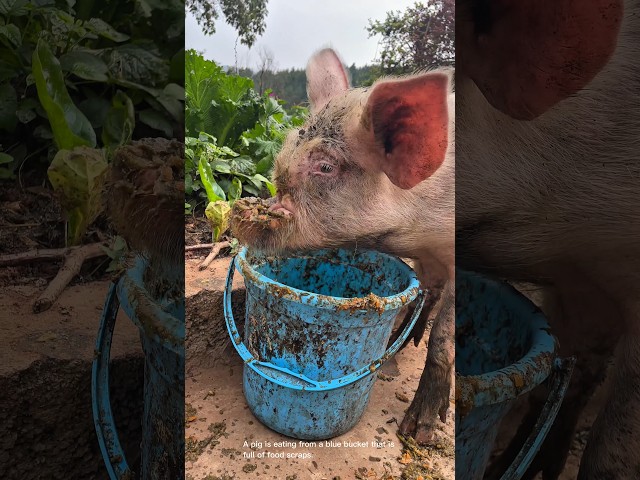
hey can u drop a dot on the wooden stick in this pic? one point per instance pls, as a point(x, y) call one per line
point(20, 225)
point(213, 254)
point(71, 266)
point(200, 246)
point(34, 255)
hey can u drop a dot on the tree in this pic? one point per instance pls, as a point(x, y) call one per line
point(247, 17)
point(266, 67)
point(421, 37)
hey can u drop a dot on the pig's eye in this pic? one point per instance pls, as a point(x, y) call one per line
point(323, 163)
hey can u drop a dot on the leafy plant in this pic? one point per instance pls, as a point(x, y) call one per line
point(117, 253)
point(222, 173)
point(78, 177)
point(69, 125)
point(83, 74)
point(218, 214)
point(89, 52)
point(218, 104)
point(233, 134)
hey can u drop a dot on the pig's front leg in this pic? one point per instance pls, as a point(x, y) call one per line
point(431, 400)
point(613, 448)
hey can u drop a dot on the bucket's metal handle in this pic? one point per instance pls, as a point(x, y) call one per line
point(559, 383)
point(297, 381)
point(296, 378)
point(112, 453)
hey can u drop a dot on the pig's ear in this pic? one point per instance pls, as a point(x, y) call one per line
point(527, 55)
point(410, 121)
point(326, 78)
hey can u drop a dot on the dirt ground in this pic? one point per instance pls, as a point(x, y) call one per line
point(46, 418)
point(225, 440)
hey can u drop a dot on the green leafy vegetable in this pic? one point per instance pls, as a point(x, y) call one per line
point(85, 65)
point(218, 213)
point(77, 177)
point(234, 134)
point(120, 121)
point(69, 125)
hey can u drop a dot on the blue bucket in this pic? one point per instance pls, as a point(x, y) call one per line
point(161, 323)
point(504, 349)
point(316, 330)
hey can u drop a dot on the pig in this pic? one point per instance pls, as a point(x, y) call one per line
point(547, 182)
point(374, 168)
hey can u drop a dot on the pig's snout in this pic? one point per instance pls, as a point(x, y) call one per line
point(282, 204)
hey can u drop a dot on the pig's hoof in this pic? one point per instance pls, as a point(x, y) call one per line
point(420, 422)
point(422, 431)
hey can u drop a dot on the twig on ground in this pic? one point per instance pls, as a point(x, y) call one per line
point(33, 255)
point(200, 246)
point(74, 257)
point(213, 254)
point(20, 225)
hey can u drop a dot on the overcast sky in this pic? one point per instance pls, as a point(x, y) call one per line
point(297, 28)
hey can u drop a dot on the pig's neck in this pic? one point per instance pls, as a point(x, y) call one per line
point(423, 221)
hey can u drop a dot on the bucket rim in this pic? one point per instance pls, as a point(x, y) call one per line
point(147, 313)
point(520, 377)
point(370, 302)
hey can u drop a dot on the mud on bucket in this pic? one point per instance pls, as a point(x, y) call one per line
point(316, 330)
point(503, 349)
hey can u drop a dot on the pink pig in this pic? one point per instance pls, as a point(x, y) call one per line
point(374, 168)
point(548, 178)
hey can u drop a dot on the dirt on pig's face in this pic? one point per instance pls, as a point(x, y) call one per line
point(326, 194)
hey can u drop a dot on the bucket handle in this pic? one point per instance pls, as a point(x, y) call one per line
point(106, 431)
point(297, 381)
point(559, 383)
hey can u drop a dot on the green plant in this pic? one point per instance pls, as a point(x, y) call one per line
point(77, 176)
point(98, 63)
point(218, 214)
point(233, 134)
point(84, 74)
point(222, 173)
point(117, 253)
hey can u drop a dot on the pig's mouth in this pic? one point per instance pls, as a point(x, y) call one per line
point(282, 204)
point(250, 213)
point(261, 223)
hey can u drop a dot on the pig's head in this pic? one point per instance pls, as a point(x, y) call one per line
point(356, 173)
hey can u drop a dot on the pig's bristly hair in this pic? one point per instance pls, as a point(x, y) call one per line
point(326, 124)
